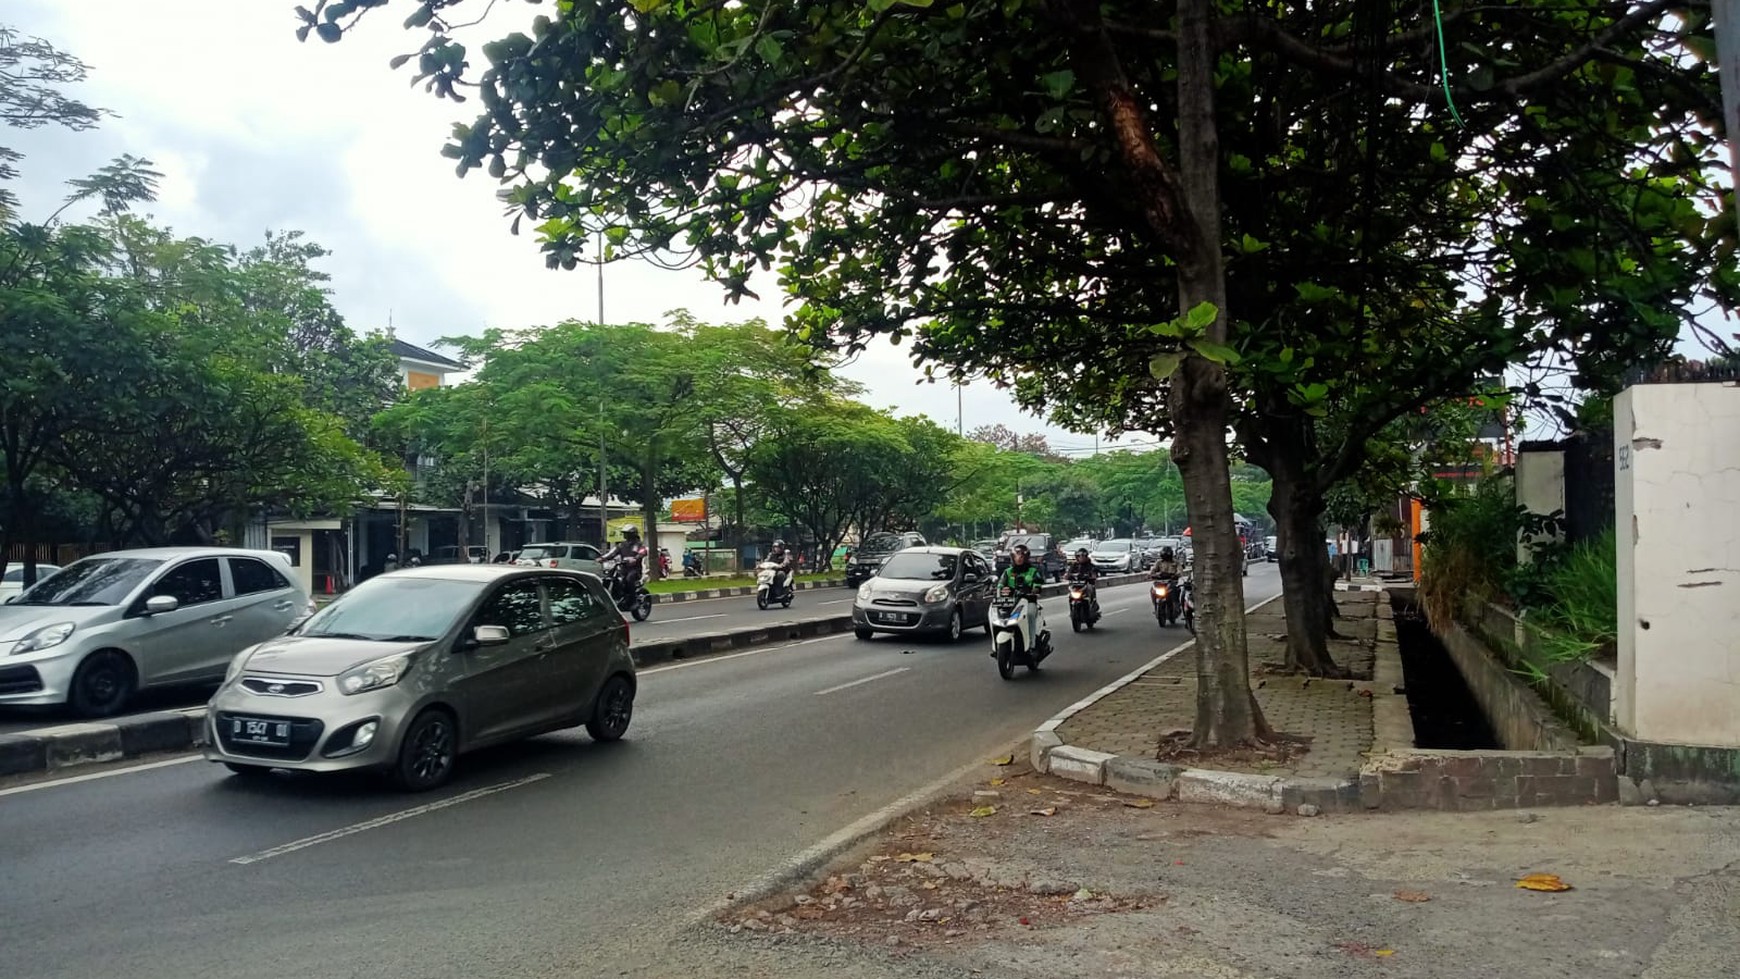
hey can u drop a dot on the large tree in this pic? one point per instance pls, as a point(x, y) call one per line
point(1043, 178)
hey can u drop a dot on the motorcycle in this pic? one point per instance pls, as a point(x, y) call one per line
point(1084, 609)
point(1186, 594)
point(767, 592)
point(1166, 593)
point(1018, 634)
point(637, 602)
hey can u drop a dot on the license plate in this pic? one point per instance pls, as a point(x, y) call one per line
point(898, 618)
point(250, 730)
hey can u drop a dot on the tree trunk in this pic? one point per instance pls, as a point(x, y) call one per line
point(1298, 508)
point(1226, 711)
point(737, 505)
point(650, 510)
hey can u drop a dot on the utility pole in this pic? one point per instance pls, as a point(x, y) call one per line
point(960, 413)
point(487, 549)
point(603, 461)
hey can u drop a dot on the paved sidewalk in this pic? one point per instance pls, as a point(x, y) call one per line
point(1334, 717)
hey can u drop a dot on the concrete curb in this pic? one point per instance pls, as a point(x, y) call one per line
point(667, 598)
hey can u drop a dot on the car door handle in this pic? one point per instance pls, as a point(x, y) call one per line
point(220, 620)
point(284, 606)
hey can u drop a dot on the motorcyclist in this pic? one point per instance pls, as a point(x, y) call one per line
point(1024, 579)
point(1168, 568)
point(783, 558)
point(629, 554)
point(1082, 569)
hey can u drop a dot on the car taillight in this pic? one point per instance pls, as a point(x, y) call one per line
point(552, 562)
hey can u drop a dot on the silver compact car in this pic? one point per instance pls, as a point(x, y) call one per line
point(99, 630)
point(413, 668)
point(942, 590)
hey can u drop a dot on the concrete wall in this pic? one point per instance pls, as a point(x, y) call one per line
point(1540, 486)
point(1677, 500)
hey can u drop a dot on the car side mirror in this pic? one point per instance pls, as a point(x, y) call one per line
point(489, 635)
point(158, 604)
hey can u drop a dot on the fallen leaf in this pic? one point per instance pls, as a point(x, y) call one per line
point(1023, 920)
point(1179, 863)
point(1035, 791)
point(998, 781)
point(1413, 897)
point(1542, 882)
point(984, 811)
point(914, 858)
point(929, 885)
point(1384, 952)
point(1139, 803)
point(880, 857)
point(1005, 760)
point(1047, 811)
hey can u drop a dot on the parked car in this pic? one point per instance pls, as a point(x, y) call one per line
point(1079, 543)
point(926, 589)
point(1051, 564)
point(868, 556)
point(561, 554)
point(13, 581)
point(409, 670)
point(987, 549)
point(475, 554)
point(101, 629)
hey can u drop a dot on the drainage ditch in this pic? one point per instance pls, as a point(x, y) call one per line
point(1445, 711)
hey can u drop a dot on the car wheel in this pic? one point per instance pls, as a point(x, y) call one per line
point(103, 684)
point(642, 608)
point(427, 751)
point(957, 625)
point(248, 771)
point(863, 633)
point(613, 711)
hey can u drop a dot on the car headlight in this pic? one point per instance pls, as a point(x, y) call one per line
point(383, 672)
point(864, 592)
point(44, 638)
point(237, 664)
point(938, 594)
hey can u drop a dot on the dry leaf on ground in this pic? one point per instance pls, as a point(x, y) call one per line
point(1542, 882)
point(998, 781)
point(1139, 803)
point(1035, 791)
point(1413, 897)
point(914, 858)
point(1005, 760)
point(984, 811)
point(1047, 811)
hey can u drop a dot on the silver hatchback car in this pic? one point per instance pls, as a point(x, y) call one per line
point(97, 631)
point(413, 668)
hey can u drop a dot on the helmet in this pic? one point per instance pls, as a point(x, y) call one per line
point(1019, 551)
point(779, 545)
point(1081, 553)
point(631, 531)
point(1166, 554)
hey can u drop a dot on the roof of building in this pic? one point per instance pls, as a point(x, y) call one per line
point(411, 351)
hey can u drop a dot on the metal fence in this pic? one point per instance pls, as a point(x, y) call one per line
point(1588, 485)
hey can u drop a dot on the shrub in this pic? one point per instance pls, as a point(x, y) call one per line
point(1579, 618)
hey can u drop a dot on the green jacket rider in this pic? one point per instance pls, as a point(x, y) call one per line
point(1021, 576)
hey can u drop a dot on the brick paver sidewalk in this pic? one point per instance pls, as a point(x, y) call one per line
point(1336, 721)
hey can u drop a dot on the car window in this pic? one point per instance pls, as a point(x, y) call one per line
point(561, 552)
point(570, 602)
point(536, 553)
point(251, 576)
point(585, 552)
point(193, 583)
point(16, 574)
point(516, 606)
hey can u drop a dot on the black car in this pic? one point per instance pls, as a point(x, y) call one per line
point(1051, 564)
point(943, 590)
point(867, 558)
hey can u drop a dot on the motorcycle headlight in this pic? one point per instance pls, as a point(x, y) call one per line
point(46, 637)
point(938, 594)
point(383, 672)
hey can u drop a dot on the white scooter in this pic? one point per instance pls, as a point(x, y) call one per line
point(766, 592)
point(1018, 634)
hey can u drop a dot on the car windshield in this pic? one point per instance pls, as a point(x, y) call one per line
point(880, 545)
point(394, 609)
point(534, 554)
point(93, 581)
point(1037, 544)
point(1116, 545)
point(910, 566)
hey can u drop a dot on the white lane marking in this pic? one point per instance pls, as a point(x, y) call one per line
point(845, 686)
point(386, 820)
point(1116, 611)
point(748, 652)
point(74, 780)
point(697, 618)
point(837, 601)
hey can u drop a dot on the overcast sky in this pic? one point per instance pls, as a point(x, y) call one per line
point(254, 131)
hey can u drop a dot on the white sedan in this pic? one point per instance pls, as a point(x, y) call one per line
point(12, 583)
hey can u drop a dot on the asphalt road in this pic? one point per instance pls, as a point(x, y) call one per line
point(555, 857)
point(674, 620)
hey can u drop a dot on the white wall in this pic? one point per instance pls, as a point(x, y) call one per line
point(1540, 487)
point(1677, 496)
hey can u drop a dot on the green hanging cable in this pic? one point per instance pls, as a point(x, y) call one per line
point(1444, 64)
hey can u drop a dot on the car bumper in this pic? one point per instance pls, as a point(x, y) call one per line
point(903, 618)
point(323, 728)
point(39, 680)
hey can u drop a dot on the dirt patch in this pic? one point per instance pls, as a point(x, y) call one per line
point(1284, 750)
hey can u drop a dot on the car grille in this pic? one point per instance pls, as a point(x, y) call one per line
point(304, 734)
point(906, 602)
point(20, 679)
point(266, 687)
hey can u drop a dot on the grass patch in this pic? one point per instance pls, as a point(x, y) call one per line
point(672, 586)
